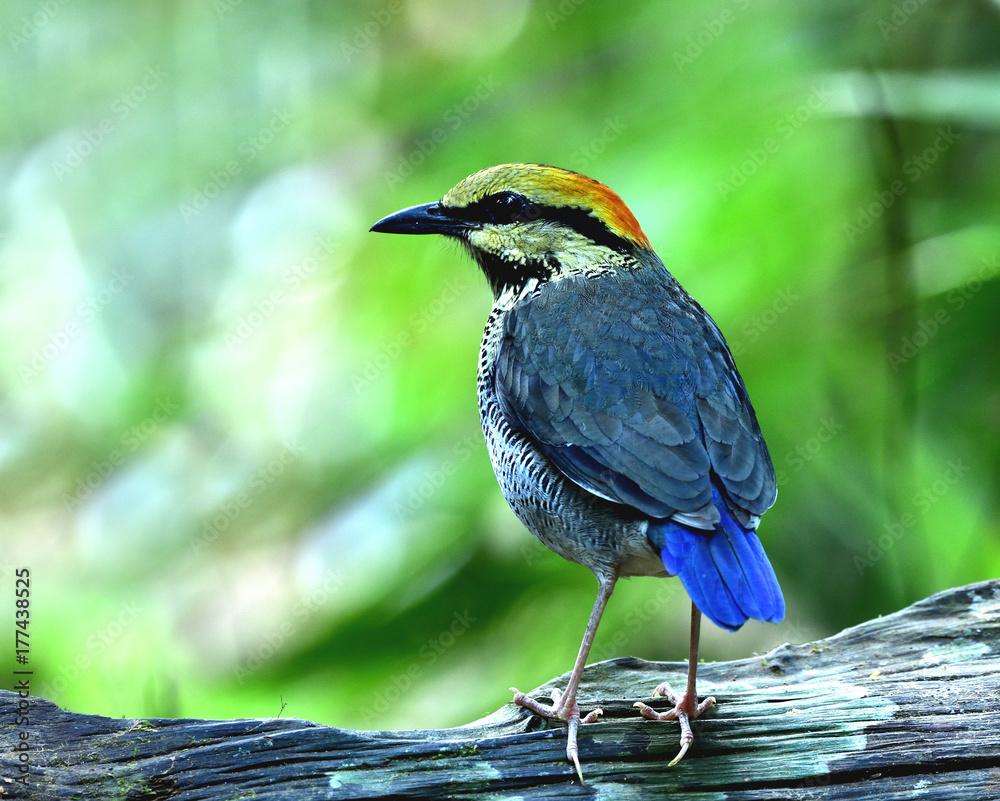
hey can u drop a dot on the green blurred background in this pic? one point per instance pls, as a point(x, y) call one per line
point(239, 443)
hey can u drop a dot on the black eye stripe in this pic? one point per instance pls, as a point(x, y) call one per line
point(504, 208)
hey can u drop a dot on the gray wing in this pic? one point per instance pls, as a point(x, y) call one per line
point(629, 389)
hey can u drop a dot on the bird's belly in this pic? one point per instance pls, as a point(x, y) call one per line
point(579, 526)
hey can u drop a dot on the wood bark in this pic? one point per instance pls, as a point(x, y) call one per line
point(905, 706)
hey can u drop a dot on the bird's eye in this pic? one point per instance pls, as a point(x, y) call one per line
point(508, 207)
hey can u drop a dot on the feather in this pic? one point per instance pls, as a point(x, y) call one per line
point(725, 571)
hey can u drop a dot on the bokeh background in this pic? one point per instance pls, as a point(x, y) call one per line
point(239, 446)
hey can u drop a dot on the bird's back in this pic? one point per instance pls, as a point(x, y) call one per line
point(613, 413)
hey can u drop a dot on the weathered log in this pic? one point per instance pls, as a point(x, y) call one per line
point(905, 706)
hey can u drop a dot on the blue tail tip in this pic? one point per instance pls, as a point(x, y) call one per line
point(725, 571)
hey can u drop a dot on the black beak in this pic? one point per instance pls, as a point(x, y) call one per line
point(430, 218)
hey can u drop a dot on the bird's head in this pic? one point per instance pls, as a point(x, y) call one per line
point(530, 221)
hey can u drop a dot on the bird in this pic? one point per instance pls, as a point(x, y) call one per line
point(619, 428)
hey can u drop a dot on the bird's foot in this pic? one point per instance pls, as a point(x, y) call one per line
point(565, 710)
point(685, 710)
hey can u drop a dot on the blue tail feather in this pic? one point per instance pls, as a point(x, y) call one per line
point(725, 571)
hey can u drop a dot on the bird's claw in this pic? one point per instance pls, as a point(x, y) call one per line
point(567, 713)
point(685, 710)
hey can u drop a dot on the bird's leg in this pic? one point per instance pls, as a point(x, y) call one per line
point(686, 707)
point(564, 706)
